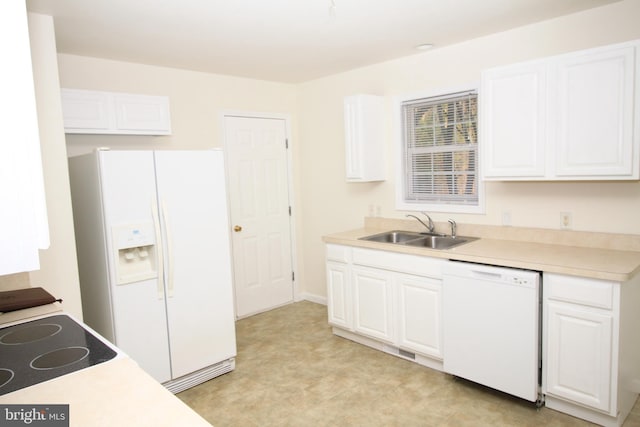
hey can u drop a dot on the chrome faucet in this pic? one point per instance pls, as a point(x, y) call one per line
point(430, 226)
point(454, 228)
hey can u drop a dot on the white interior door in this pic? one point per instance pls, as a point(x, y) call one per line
point(259, 199)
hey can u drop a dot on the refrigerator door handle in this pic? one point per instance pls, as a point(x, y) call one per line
point(167, 231)
point(156, 224)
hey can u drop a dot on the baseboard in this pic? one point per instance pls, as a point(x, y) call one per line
point(313, 298)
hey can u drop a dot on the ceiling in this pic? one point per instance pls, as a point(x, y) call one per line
point(281, 40)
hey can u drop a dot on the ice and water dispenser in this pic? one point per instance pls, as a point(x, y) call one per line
point(136, 258)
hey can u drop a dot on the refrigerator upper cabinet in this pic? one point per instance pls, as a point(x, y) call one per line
point(97, 112)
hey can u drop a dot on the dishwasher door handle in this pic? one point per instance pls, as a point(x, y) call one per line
point(486, 275)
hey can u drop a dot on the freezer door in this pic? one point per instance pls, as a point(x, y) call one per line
point(195, 224)
point(138, 310)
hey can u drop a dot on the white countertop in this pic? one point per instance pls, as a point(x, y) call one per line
point(597, 263)
point(113, 393)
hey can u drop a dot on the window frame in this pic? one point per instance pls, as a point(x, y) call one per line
point(399, 146)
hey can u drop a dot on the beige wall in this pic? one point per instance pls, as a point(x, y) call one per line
point(58, 266)
point(330, 204)
point(197, 101)
point(325, 202)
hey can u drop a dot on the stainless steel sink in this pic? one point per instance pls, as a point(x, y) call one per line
point(393, 237)
point(425, 240)
point(440, 242)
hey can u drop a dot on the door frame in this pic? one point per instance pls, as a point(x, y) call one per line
point(290, 186)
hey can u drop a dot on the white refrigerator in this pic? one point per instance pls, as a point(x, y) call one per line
point(152, 235)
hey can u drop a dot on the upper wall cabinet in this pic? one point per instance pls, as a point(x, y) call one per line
point(568, 117)
point(93, 112)
point(23, 212)
point(364, 138)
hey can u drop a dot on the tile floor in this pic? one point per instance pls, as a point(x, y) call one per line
point(292, 371)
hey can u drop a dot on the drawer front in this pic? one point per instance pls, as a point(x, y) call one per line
point(409, 264)
point(579, 290)
point(338, 253)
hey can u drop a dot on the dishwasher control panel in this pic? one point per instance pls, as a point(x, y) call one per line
point(503, 275)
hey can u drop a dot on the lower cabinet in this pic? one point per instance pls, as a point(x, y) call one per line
point(393, 299)
point(579, 355)
point(590, 347)
point(373, 305)
point(419, 314)
point(339, 294)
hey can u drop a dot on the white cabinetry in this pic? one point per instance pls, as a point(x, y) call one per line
point(23, 214)
point(364, 138)
point(590, 348)
point(339, 286)
point(595, 118)
point(568, 117)
point(373, 303)
point(387, 300)
point(419, 314)
point(513, 104)
point(94, 112)
point(339, 294)
point(579, 356)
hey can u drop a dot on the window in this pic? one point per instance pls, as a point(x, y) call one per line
point(439, 160)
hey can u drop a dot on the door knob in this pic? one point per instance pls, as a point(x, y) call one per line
point(237, 228)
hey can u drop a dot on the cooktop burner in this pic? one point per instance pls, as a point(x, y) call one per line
point(30, 334)
point(47, 348)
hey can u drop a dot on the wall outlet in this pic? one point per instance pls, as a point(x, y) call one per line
point(565, 221)
point(506, 217)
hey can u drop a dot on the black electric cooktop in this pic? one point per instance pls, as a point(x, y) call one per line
point(43, 349)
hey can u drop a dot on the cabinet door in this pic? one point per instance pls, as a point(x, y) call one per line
point(339, 304)
point(364, 138)
point(95, 112)
point(373, 303)
point(84, 110)
point(513, 105)
point(419, 314)
point(579, 355)
point(23, 212)
point(595, 114)
point(142, 114)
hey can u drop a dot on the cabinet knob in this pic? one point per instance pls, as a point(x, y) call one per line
point(237, 228)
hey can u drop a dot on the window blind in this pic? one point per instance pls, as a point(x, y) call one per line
point(441, 149)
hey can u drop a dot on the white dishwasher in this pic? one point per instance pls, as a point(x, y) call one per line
point(491, 321)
